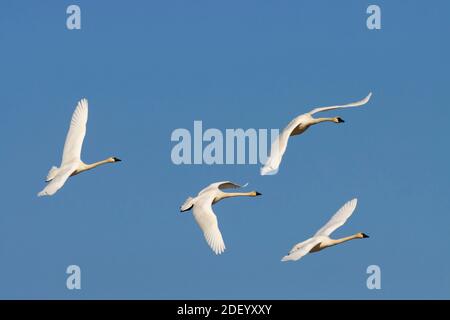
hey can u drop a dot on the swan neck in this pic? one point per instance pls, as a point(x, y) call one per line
point(345, 239)
point(319, 120)
point(237, 194)
point(94, 165)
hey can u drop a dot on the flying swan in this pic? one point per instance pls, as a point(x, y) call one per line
point(71, 163)
point(201, 206)
point(297, 126)
point(321, 239)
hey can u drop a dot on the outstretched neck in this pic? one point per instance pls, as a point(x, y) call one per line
point(224, 195)
point(238, 194)
point(341, 240)
point(86, 167)
point(319, 120)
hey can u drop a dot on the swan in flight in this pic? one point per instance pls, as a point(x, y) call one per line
point(297, 126)
point(71, 163)
point(201, 206)
point(321, 239)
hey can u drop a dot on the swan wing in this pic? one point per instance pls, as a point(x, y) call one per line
point(59, 180)
point(349, 105)
point(228, 185)
point(301, 249)
point(207, 221)
point(278, 147)
point(222, 185)
point(77, 131)
point(338, 219)
point(187, 204)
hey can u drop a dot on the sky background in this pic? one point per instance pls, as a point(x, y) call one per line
point(150, 67)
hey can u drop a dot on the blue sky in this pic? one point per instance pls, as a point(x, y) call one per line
point(149, 67)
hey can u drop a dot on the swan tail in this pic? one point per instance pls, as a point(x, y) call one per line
point(52, 174)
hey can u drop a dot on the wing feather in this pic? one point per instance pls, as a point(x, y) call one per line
point(278, 147)
point(207, 221)
point(338, 219)
point(301, 249)
point(221, 186)
point(349, 105)
point(58, 181)
point(76, 134)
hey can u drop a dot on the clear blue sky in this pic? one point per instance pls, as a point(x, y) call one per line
point(149, 67)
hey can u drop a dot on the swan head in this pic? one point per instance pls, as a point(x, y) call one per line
point(362, 235)
point(256, 193)
point(114, 159)
point(338, 120)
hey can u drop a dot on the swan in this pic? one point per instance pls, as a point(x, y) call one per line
point(201, 206)
point(297, 126)
point(321, 239)
point(71, 163)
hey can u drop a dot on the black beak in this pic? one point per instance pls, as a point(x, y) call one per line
point(340, 120)
point(257, 193)
point(117, 159)
point(365, 235)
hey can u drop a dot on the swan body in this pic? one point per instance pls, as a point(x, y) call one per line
point(71, 163)
point(205, 217)
point(321, 239)
point(297, 126)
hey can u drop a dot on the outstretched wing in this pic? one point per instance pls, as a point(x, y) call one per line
point(187, 204)
point(338, 219)
point(222, 185)
point(77, 131)
point(349, 105)
point(301, 249)
point(278, 147)
point(207, 221)
point(229, 185)
point(59, 180)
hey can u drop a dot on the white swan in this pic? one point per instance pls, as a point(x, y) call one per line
point(297, 126)
point(71, 163)
point(204, 215)
point(321, 239)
